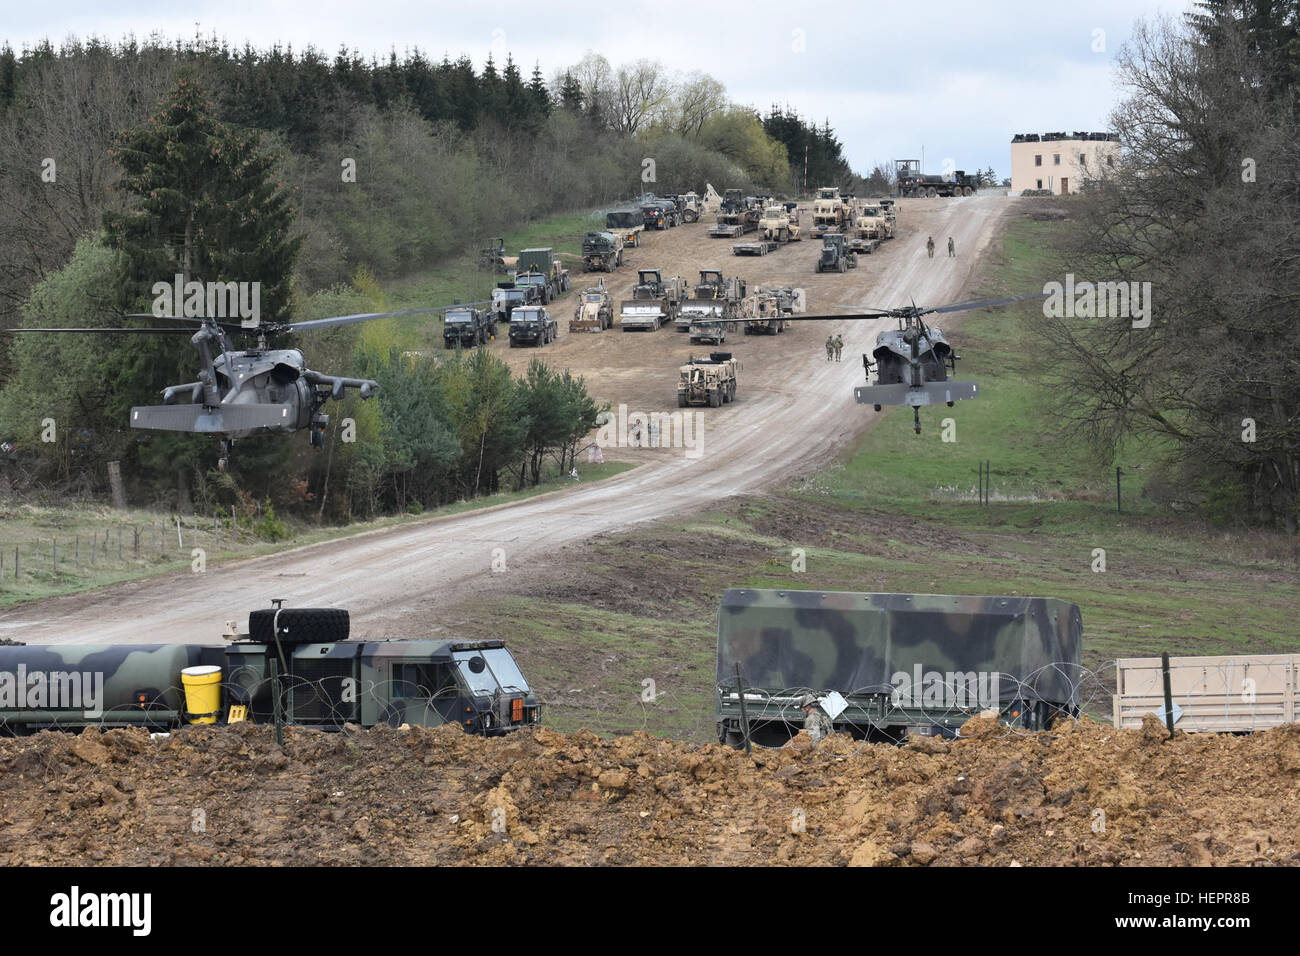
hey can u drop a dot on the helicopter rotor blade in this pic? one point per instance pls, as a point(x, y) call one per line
point(171, 331)
point(228, 327)
point(371, 316)
point(984, 303)
point(836, 318)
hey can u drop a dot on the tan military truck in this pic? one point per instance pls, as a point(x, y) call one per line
point(595, 310)
point(766, 310)
point(777, 225)
point(708, 381)
point(870, 229)
point(1239, 693)
point(829, 209)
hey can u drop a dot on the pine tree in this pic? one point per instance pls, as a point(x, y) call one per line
point(540, 94)
point(571, 93)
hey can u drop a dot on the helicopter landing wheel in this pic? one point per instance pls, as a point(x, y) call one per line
point(223, 463)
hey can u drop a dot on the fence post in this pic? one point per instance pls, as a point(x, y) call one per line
point(1169, 697)
point(54, 554)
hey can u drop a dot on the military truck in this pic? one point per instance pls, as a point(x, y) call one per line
point(777, 225)
point(829, 206)
point(836, 256)
point(493, 256)
point(507, 296)
point(594, 312)
point(918, 185)
point(532, 325)
point(870, 229)
point(601, 252)
point(766, 310)
point(706, 330)
point(890, 208)
point(655, 300)
point(627, 224)
point(708, 381)
point(539, 267)
point(889, 666)
point(654, 216)
point(692, 207)
point(467, 327)
point(302, 658)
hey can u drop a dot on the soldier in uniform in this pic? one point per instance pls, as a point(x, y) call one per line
point(929, 246)
point(839, 346)
point(952, 249)
point(830, 347)
point(815, 720)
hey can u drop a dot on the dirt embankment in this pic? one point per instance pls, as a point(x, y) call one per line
point(1086, 795)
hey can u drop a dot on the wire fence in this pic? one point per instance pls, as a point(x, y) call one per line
point(1242, 694)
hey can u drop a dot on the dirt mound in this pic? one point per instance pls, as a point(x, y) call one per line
point(1084, 794)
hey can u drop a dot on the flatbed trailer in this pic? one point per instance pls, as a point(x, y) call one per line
point(760, 248)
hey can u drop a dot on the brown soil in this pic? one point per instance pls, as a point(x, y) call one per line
point(437, 796)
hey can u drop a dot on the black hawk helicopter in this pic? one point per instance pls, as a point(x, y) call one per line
point(912, 362)
point(259, 390)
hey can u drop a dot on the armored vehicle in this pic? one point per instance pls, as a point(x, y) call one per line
point(539, 267)
point(466, 327)
point(595, 311)
point(601, 252)
point(302, 658)
point(888, 665)
point(777, 225)
point(916, 184)
point(532, 325)
point(710, 381)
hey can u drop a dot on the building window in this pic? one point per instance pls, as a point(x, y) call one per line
point(1038, 159)
point(1083, 160)
point(1056, 158)
point(1040, 185)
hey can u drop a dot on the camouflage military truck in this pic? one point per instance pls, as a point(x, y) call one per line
point(900, 664)
point(325, 679)
point(532, 325)
point(507, 297)
point(627, 224)
point(710, 381)
point(467, 327)
point(601, 252)
point(595, 310)
point(655, 300)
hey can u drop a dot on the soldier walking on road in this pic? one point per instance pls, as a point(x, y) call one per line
point(830, 347)
point(952, 249)
point(929, 246)
point(839, 346)
point(815, 720)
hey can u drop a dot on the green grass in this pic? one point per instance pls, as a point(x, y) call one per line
point(42, 533)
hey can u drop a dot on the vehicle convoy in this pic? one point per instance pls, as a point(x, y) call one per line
point(594, 312)
point(601, 252)
point(836, 256)
point(302, 659)
point(655, 300)
point(710, 381)
point(532, 325)
point(1209, 693)
point(539, 267)
point(917, 185)
point(507, 296)
point(467, 327)
point(627, 224)
point(888, 666)
point(714, 298)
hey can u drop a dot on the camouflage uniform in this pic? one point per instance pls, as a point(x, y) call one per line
point(952, 248)
point(815, 720)
point(830, 347)
point(929, 246)
point(839, 346)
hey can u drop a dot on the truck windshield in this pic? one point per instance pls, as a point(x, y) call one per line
point(500, 671)
point(523, 315)
point(454, 317)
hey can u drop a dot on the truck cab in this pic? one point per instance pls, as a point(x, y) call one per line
point(532, 325)
point(465, 327)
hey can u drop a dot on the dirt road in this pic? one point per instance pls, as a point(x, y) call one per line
point(793, 411)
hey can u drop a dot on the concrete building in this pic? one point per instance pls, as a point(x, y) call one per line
point(1061, 162)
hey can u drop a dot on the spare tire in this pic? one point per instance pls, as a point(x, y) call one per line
point(300, 625)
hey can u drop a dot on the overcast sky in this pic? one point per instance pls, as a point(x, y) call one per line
point(894, 78)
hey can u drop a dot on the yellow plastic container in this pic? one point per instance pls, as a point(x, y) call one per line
point(202, 693)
